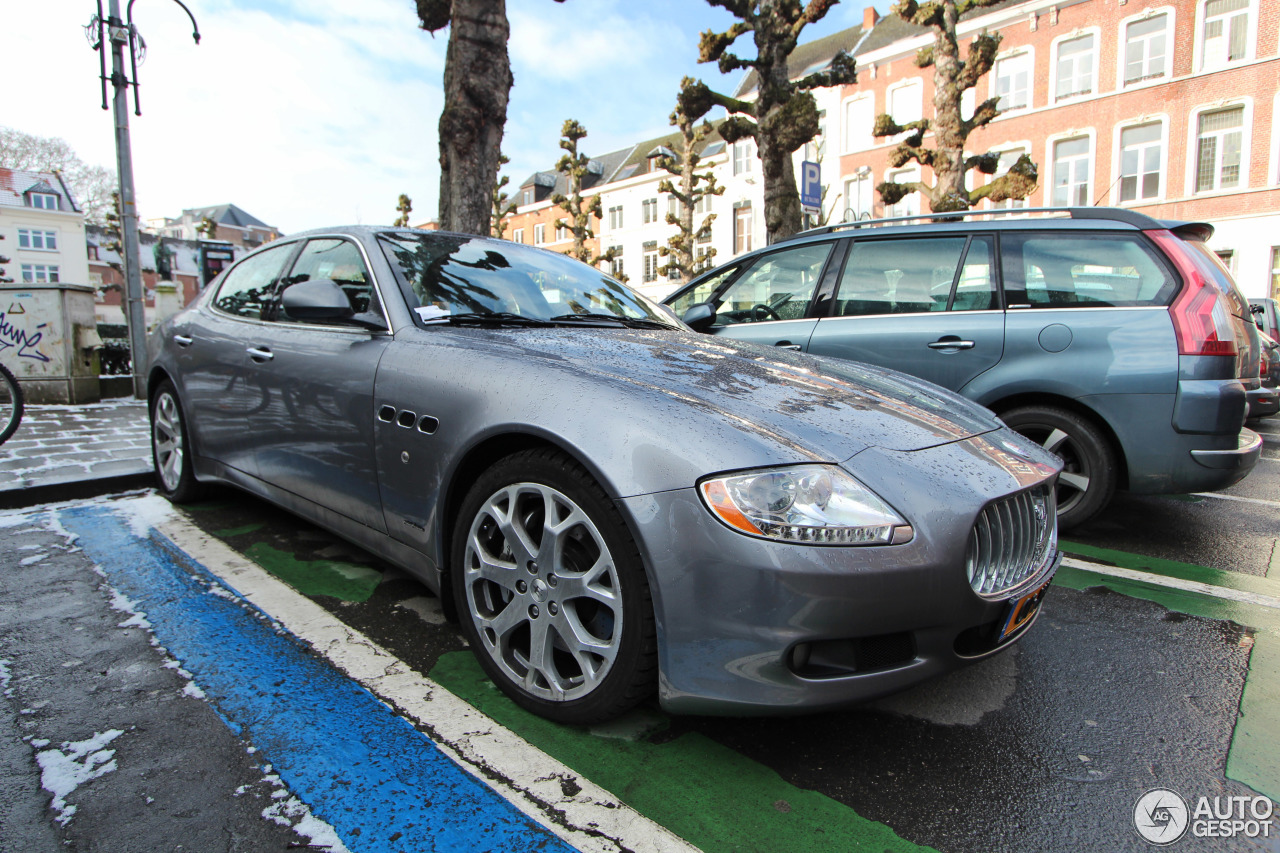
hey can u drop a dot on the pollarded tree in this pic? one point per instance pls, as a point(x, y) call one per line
point(784, 115)
point(695, 188)
point(503, 206)
point(573, 165)
point(404, 207)
point(4, 277)
point(952, 76)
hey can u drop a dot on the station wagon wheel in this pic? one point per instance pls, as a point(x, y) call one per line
point(551, 591)
point(171, 447)
point(1088, 477)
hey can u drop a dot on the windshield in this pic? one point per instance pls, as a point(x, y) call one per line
point(444, 276)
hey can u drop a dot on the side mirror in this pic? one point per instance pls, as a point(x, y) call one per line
point(321, 300)
point(700, 317)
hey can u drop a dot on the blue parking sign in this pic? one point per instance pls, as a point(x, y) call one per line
point(811, 187)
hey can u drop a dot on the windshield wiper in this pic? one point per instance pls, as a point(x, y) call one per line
point(496, 318)
point(629, 322)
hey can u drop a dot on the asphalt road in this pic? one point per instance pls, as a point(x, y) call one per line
point(1155, 664)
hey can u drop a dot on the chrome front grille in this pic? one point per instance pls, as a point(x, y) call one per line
point(1011, 541)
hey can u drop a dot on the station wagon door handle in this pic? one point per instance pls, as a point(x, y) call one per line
point(951, 343)
point(183, 340)
point(787, 345)
point(260, 354)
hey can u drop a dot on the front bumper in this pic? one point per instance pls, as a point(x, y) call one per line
point(748, 626)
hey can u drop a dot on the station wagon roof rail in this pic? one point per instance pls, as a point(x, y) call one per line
point(1130, 217)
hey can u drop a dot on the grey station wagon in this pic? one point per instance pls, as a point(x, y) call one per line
point(1117, 342)
point(610, 503)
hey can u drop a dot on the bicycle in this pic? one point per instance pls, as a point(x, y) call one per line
point(10, 404)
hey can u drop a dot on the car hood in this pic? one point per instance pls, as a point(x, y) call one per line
point(832, 408)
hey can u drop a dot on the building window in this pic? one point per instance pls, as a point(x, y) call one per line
point(703, 204)
point(906, 102)
point(517, 236)
point(1071, 172)
point(539, 234)
point(93, 252)
point(859, 120)
point(44, 201)
point(1146, 49)
point(615, 217)
point(1075, 67)
point(1225, 37)
point(1275, 272)
point(1141, 162)
point(651, 261)
point(649, 210)
point(527, 197)
point(615, 264)
point(1013, 82)
point(744, 152)
point(673, 206)
point(742, 228)
point(702, 259)
point(32, 239)
point(562, 232)
point(1007, 159)
point(909, 204)
point(858, 198)
point(1218, 149)
point(39, 273)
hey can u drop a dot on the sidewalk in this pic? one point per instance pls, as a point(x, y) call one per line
point(61, 452)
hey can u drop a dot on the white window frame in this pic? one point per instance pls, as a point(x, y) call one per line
point(615, 263)
point(1117, 158)
point(899, 89)
point(1051, 143)
point(1170, 31)
point(648, 211)
point(1028, 54)
point(851, 143)
point(1250, 44)
point(863, 177)
point(1055, 57)
point(41, 273)
point(744, 236)
point(1023, 146)
point(1193, 144)
point(744, 155)
point(650, 262)
point(48, 201)
point(540, 234)
point(517, 235)
point(909, 204)
point(615, 217)
point(562, 233)
point(45, 238)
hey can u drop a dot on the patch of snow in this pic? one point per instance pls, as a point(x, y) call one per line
point(5, 676)
point(32, 560)
point(64, 770)
point(193, 690)
point(294, 814)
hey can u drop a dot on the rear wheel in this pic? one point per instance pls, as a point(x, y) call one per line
point(1088, 477)
point(171, 447)
point(10, 404)
point(551, 592)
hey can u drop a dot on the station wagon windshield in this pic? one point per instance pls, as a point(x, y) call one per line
point(454, 277)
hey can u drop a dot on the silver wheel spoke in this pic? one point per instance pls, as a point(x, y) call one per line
point(1055, 440)
point(1075, 481)
point(502, 573)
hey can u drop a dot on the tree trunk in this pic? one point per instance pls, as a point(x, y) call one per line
point(949, 191)
point(782, 215)
point(477, 87)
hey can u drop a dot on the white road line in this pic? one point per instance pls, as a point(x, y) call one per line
point(1259, 501)
point(1222, 592)
point(591, 820)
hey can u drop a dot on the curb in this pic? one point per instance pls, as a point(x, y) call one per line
point(46, 493)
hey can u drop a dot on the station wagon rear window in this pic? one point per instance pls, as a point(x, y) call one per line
point(1059, 270)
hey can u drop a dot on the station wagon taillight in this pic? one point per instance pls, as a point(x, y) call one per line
point(1201, 312)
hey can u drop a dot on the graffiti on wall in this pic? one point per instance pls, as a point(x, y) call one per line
point(15, 336)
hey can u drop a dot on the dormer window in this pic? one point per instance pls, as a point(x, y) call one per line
point(44, 201)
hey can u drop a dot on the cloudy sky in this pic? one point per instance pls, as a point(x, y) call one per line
point(309, 113)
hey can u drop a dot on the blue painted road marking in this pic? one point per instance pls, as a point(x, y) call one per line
point(381, 784)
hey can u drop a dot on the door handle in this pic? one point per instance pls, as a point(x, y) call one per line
point(787, 345)
point(951, 343)
point(183, 340)
point(260, 354)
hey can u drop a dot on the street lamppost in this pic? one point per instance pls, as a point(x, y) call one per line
point(119, 32)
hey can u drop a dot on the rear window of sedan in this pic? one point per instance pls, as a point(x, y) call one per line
point(450, 274)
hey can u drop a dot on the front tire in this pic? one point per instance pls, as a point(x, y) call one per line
point(1088, 478)
point(551, 591)
point(11, 404)
point(171, 448)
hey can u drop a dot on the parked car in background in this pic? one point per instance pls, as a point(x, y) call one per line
point(1266, 314)
point(1117, 342)
point(611, 504)
point(1265, 402)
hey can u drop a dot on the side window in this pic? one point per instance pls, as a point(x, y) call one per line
point(339, 261)
point(778, 286)
point(702, 293)
point(913, 276)
point(1083, 271)
point(246, 290)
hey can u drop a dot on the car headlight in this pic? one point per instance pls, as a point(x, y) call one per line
point(811, 504)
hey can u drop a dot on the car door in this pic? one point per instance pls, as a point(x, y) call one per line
point(769, 302)
point(927, 306)
point(319, 412)
point(219, 367)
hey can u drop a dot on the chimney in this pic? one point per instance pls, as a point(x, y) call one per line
point(869, 17)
